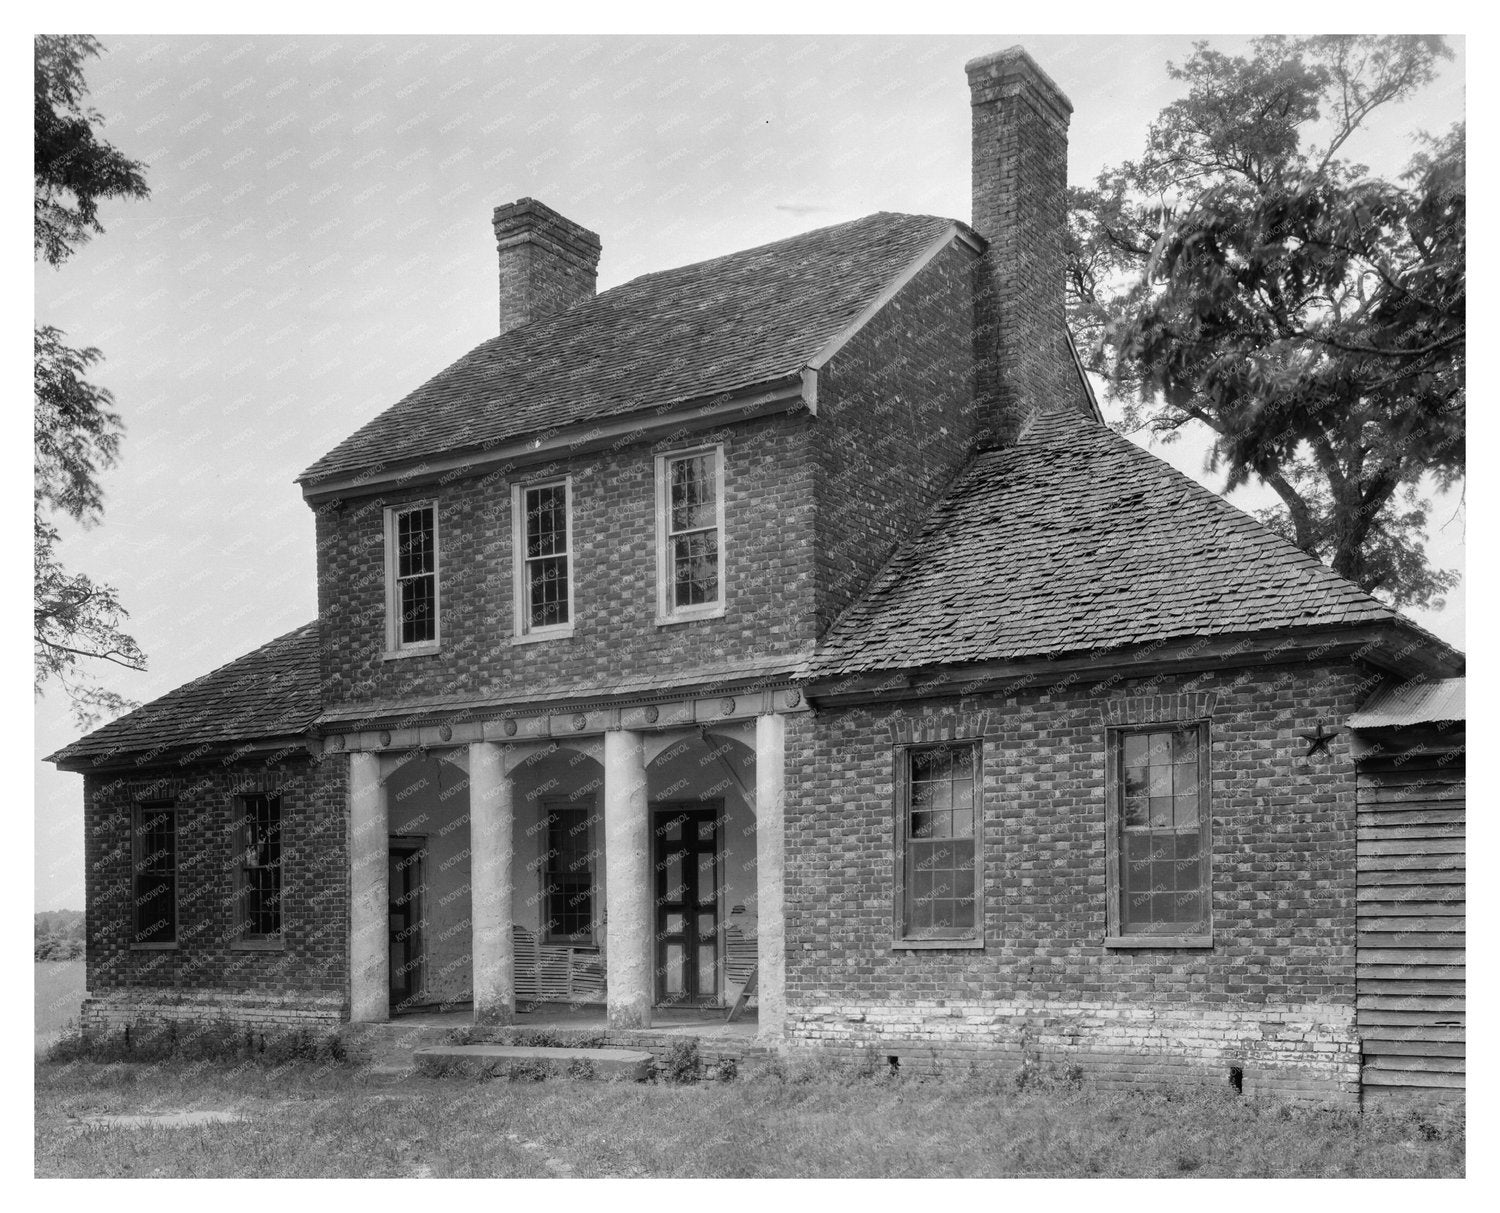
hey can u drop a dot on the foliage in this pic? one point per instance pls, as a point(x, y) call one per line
point(76, 431)
point(74, 168)
point(1243, 275)
point(337, 1120)
point(216, 1042)
point(681, 1065)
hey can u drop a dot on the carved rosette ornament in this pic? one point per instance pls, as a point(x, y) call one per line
point(510, 728)
point(652, 714)
point(445, 731)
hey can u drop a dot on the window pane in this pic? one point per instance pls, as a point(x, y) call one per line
point(261, 866)
point(418, 620)
point(1160, 878)
point(695, 568)
point(156, 875)
point(414, 546)
point(694, 491)
point(547, 520)
point(547, 590)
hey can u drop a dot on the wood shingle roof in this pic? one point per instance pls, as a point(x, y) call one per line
point(1075, 539)
point(749, 318)
point(272, 692)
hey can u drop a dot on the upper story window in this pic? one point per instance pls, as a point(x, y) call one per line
point(154, 867)
point(1159, 871)
point(938, 845)
point(690, 534)
point(411, 574)
point(543, 542)
point(258, 871)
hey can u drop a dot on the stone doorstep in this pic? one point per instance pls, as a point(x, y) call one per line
point(606, 1063)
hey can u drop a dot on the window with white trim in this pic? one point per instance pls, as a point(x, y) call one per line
point(690, 533)
point(543, 543)
point(939, 828)
point(411, 567)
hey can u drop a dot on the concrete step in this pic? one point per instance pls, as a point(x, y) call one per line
point(630, 1064)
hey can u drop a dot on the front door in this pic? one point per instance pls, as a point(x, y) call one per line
point(407, 861)
point(687, 902)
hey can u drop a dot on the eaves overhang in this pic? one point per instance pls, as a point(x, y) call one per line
point(1397, 647)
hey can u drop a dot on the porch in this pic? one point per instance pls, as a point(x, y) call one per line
point(628, 882)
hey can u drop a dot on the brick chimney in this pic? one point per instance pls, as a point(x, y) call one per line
point(547, 263)
point(1020, 167)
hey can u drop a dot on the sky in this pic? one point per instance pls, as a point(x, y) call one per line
point(317, 243)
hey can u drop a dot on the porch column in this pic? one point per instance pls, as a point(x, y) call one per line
point(491, 884)
point(770, 860)
point(630, 966)
point(369, 894)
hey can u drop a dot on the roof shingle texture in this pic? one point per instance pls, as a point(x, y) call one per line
point(1075, 539)
point(271, 692)
point(752, 317)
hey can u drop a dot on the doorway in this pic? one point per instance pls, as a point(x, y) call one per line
point(688, 881)
point(408, 886)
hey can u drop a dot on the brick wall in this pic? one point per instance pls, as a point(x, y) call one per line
point(547, 262)
point(1276, 992)
point(768, 575)
point(1020, 177)
point(305, 979)
point(895, 424)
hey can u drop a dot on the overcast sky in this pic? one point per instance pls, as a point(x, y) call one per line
point(318, 243)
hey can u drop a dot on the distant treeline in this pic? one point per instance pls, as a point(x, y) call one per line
point(59, 935)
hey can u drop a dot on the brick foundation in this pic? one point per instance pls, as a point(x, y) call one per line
point(113, 1012)
point(1308, 1052)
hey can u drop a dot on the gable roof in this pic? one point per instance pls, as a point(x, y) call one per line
point(272, 692)
point(1075, 539)
point(752, 317)
point(1416, 702)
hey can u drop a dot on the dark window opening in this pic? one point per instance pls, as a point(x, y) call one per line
point(568, 875)
point(155, 870)
point(259, 847)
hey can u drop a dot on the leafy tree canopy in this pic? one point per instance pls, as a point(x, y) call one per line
point(1244, 275)
point(77, 433)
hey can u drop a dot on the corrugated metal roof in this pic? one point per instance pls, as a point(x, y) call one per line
point(1416, 702)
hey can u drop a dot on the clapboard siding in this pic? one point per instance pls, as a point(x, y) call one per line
point(1409, 924)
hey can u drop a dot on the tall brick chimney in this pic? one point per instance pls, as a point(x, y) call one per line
point(547, 262)
point(1020, 167)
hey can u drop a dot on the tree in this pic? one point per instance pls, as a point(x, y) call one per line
point(1309, 314)
point(76, 431)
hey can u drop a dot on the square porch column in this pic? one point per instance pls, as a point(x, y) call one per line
point(369, 893)
point(770, 867)
point(491, 884)
point(628, 894)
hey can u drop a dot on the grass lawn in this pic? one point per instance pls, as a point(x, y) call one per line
point(307, 1120)
point(59, 991)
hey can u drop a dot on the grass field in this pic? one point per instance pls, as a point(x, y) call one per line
point(344, 1121)
point(59, 990)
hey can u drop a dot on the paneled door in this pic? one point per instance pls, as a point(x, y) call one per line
point(688, 877)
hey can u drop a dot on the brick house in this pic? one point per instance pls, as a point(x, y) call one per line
point(793, 614)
